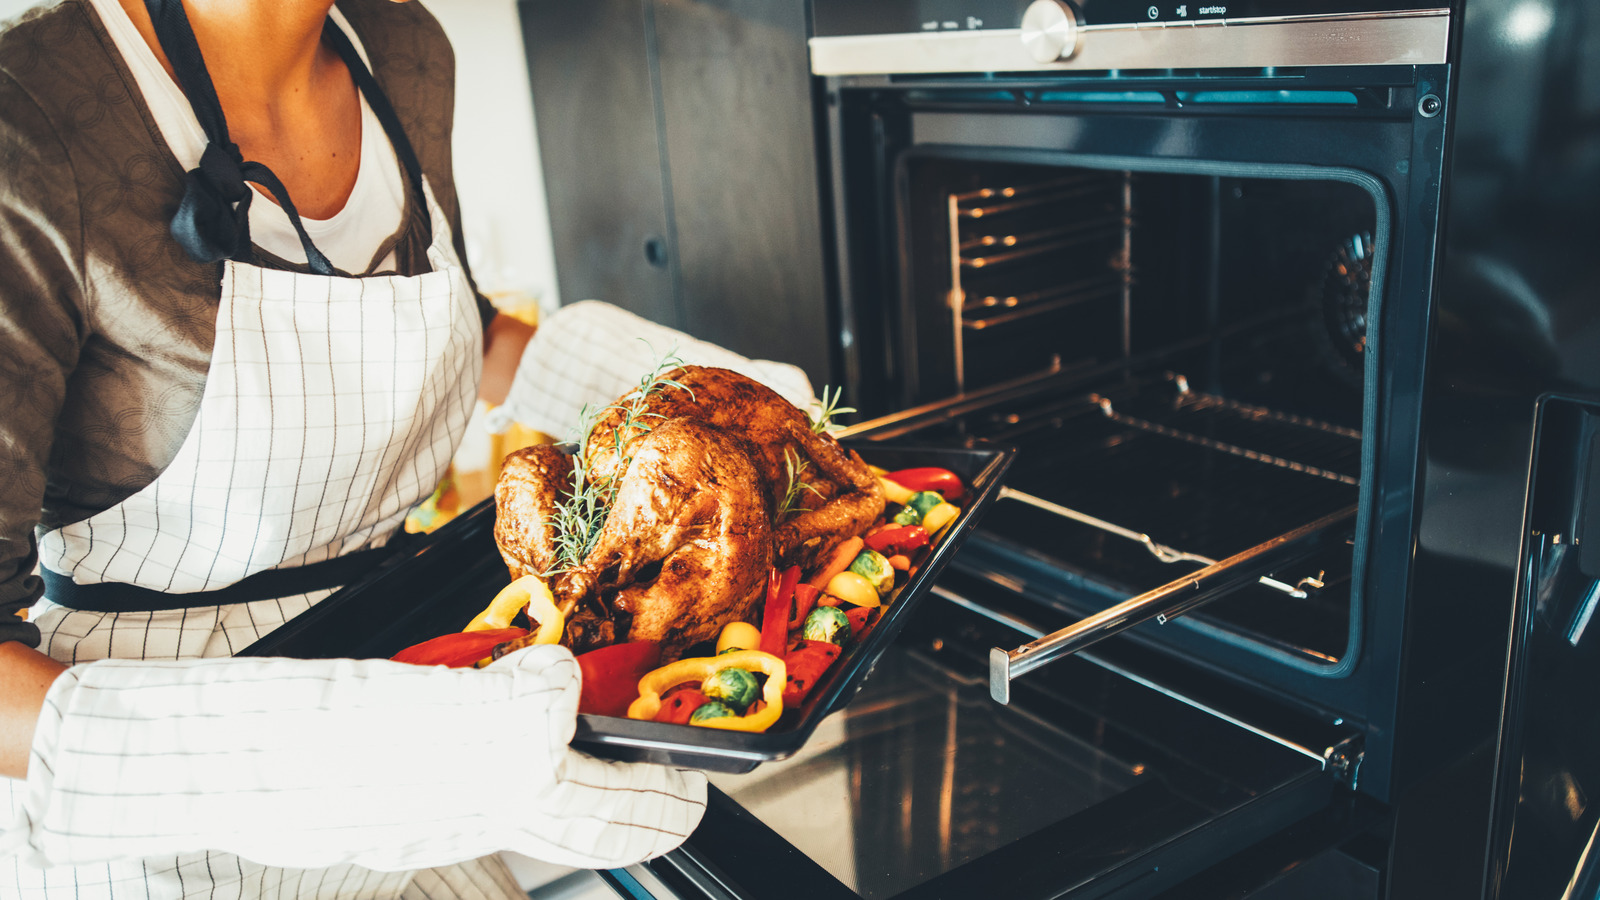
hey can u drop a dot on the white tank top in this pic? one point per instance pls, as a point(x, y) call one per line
point(351, 237)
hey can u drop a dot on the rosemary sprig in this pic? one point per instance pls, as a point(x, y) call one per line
point(579, 518)
point(791, 497)
point(824, 410)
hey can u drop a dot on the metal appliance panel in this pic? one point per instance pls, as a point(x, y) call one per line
point(1418, 37)
point(837, 18)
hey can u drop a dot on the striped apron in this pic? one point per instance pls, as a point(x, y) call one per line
point(331, 407)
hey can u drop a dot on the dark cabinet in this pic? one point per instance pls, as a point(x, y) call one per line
point(679, 148)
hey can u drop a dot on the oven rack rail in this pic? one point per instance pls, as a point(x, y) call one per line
point(1255, 433)
point(1165, 603)
point(1018, 229)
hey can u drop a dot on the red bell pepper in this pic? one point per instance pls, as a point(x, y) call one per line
point(677, 708)
point(458, 650)
point(929, 479)
point(611, 676)
point(775, 621)
point(805, 597)
point(901, 540)
point(806, 663)
point(861, 618)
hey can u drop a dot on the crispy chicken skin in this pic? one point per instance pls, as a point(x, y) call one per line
point(694, 524)
point(688, 543)
point(532, 481)
point(848, 497)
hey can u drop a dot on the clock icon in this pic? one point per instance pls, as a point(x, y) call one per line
point(1153, 12)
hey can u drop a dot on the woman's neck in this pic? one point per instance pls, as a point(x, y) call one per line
point(255, 51)
point(288, 97)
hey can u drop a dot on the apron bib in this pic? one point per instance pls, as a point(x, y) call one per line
point(332, 406)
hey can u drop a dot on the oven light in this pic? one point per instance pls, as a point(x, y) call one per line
point(1529, 22)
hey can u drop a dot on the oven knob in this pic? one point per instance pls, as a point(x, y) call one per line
point(1050, 30)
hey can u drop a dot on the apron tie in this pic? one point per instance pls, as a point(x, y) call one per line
point(208, 226)
point(213, 220)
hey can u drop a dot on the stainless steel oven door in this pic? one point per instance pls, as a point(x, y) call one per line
point(1096, 781)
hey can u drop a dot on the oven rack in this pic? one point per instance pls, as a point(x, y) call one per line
point(1186, 475)
point(1051, 225)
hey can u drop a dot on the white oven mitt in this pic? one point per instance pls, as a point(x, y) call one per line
point(590, 353)
point(313, 763)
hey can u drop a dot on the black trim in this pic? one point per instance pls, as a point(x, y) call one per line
point(114, 597)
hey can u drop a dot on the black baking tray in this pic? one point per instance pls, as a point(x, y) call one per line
point(436, 584)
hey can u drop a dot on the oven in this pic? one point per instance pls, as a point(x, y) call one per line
point(1266, 295)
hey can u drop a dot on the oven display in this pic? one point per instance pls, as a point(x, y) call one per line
point(836, 18)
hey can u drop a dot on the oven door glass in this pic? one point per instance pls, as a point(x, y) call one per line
point(1088, 784)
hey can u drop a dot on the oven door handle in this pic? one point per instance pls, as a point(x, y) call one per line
point(1165, 603)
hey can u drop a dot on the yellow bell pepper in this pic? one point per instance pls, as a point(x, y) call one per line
point(853, 588)
point(895, 492)
point(938, 517)
point(528, 591)
point(698, 669)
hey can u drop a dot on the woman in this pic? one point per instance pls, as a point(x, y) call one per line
point(224, 400)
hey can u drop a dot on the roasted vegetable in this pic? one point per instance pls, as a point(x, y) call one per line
point(843, 556)
point(679, 705)
point(529, 592)
point(861, 618)
point(900, 539)
point(828, 624)
point(929, 479)
point(698, 669)
point(457, 650)
point(738, 636)
point(709, 711)
point(735, 687)
point(917, 509)
point(854, 588)
point(775, 619)
point(807, 662)
point(894, 491)
point(875, 568)
point(611, 676)
point(805, 597)
point(940, 516)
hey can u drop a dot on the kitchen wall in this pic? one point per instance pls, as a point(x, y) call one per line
point(496, 152)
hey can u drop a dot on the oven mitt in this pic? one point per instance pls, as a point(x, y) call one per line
point(587, 354)
point(313, 763)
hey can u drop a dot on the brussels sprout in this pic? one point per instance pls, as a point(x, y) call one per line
point(917, 507)
point(713, 710)
point(826, 623)
point(734, 687)
point(874, 566)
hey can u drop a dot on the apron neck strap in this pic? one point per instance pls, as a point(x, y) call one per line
point(213, 220)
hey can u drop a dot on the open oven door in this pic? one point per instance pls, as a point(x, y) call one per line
point(1545, 822)
point(1095, 781)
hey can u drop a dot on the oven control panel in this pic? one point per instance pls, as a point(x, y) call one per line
point(953, 36)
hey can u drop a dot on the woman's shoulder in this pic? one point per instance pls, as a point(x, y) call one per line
point(400, 36)
point(59, 70)
point(35, 43)
point(412, 60)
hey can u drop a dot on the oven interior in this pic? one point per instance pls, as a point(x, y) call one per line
point(1180, 357)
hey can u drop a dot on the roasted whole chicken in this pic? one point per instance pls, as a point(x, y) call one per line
point(707, 480)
